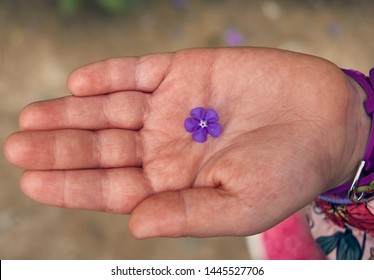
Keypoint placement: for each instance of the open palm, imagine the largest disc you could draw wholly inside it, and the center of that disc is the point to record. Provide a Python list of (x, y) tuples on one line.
[(119, 144)]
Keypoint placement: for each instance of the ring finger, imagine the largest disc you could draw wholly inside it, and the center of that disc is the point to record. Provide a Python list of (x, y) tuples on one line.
[(124, 110)]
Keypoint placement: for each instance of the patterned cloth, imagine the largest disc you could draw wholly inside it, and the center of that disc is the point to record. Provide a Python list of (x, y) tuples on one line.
[(343, 231)]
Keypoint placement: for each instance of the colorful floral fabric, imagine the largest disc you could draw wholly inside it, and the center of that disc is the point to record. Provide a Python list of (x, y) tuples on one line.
[(344, 232)]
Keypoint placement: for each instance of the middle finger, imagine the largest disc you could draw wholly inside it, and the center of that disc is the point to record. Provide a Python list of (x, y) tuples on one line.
[(75, 149)]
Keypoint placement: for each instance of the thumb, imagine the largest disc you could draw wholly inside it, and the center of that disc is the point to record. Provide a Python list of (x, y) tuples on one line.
[(199, 212)]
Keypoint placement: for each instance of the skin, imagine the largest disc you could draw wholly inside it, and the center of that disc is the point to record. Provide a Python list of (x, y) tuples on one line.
[(293, 127)]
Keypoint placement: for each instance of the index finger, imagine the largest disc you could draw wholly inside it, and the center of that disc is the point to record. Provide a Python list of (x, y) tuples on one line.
[(144, 73)]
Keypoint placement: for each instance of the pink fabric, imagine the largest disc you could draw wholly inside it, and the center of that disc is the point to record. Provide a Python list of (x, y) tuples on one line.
[(291, 240)]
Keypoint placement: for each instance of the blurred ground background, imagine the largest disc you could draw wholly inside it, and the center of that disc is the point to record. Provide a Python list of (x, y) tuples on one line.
[(41, 42)]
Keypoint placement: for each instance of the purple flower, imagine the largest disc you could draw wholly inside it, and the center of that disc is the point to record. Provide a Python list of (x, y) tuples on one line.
[(203, 121)]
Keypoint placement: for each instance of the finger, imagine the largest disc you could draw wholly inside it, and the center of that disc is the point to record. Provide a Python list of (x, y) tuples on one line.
[(111, 190), (119, 110), (74, 149), (143, 73), (199, 212)]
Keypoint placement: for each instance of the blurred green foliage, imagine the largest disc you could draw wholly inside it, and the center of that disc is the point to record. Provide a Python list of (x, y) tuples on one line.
[(71, 7)]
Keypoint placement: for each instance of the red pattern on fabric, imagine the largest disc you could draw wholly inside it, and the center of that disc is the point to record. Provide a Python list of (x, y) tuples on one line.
[(356, 215)]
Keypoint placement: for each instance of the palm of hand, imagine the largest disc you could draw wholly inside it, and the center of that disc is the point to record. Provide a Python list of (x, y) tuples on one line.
[(172, 185)]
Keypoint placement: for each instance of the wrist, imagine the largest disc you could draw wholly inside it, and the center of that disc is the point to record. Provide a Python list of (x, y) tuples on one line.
[(357, 133)]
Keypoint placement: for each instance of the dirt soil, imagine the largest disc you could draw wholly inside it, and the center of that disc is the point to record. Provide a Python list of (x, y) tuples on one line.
[(39, 47)]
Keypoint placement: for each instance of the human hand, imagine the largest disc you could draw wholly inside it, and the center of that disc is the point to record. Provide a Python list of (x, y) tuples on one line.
[(293, 127)]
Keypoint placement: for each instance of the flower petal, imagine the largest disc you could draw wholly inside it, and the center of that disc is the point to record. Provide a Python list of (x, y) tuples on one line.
[(200, 135), (211, 116), (191, 124), (214, 129), (198, 113)]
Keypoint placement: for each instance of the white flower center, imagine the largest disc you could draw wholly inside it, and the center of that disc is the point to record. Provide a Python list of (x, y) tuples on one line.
[(203, 123)]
